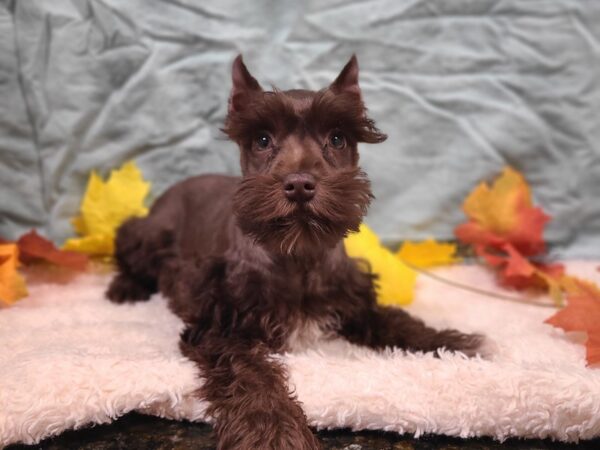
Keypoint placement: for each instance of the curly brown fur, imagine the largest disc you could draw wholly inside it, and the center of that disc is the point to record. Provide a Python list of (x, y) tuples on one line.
[(249, 263), (265, 214), (141, 249)]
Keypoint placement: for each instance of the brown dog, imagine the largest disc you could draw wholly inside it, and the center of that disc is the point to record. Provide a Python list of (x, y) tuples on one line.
[(254, 264)]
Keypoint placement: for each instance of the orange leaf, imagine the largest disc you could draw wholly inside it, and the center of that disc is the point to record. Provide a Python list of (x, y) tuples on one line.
[(578, 287), (520, 272), (593, 349), (33, 247), (582, 313), (12, 284)]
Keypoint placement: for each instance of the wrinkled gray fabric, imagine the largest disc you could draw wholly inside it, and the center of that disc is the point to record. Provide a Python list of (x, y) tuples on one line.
[(462, 88)]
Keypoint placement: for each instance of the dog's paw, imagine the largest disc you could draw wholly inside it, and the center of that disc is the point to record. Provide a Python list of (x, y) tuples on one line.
[(125, 289), (278, 437), (283, 427), (471, 345), (486, 349)]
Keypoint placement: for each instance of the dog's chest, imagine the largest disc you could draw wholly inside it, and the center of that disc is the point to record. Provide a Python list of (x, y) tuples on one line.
[(308, 333)]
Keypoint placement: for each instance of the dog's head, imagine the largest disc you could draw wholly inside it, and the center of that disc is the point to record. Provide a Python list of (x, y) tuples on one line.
[(302, 189)]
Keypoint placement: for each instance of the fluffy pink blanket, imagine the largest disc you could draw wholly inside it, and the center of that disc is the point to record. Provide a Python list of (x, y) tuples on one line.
[(69, 358)]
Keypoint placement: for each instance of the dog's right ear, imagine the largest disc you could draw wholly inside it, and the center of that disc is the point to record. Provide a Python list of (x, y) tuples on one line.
[(243, 85)]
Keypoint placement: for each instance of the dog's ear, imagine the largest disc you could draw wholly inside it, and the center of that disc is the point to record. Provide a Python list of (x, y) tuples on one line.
[(243, 84), (347, 80), (347, 83)]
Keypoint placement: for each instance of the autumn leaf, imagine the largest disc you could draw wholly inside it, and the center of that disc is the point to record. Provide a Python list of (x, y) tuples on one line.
[(396, 281), (33, 247), (505, 229), (504, 213), (105, 206), (428, 253), (516, 271), (582, 313), (12, 284)]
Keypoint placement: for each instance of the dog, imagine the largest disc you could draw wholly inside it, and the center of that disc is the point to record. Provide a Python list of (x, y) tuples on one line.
[(255, 264)]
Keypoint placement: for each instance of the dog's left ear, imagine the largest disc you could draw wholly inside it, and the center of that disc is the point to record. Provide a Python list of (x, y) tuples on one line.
[(244, 84), (347, 83), (347, 80)]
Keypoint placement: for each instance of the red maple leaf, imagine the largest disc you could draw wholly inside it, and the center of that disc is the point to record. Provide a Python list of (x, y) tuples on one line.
[(33, 247), (505, 229)]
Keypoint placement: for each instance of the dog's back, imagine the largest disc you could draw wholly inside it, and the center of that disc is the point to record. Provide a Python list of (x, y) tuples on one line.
[(199, 213), (192, 220)]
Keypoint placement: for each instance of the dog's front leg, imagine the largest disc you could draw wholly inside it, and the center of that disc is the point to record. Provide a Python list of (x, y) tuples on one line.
[(379, 327), (364, 322), (248, 394)]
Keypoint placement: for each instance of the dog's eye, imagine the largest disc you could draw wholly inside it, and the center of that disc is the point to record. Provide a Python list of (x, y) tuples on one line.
[(263, 141), (337, 140)]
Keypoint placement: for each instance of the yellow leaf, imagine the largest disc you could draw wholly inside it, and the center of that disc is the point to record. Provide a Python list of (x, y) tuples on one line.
[(79, 225), (428, 253), (105, 206), (12, 284), (96, 244), (496, 208), (396, 282)]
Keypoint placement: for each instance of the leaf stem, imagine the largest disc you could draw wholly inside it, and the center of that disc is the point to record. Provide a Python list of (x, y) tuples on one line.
[(484, 292)]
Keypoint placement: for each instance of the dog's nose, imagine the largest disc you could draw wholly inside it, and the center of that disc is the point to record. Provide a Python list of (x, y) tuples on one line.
[(299, 187)]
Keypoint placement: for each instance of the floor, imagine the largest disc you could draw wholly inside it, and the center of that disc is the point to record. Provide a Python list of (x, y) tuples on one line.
[(135, 431)]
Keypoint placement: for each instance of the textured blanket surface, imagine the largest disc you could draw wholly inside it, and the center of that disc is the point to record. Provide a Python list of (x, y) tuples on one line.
[(70, 358)]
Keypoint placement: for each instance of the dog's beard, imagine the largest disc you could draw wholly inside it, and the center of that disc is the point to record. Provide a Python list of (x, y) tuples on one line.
[(265, 214)]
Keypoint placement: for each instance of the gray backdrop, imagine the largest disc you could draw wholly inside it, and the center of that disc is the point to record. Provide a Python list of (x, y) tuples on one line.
[(461, 87)]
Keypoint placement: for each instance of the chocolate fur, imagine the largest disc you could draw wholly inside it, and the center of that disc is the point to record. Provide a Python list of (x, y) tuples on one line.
[(246, 268)]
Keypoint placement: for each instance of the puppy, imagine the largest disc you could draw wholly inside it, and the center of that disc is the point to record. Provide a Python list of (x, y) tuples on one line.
[(253, 263)]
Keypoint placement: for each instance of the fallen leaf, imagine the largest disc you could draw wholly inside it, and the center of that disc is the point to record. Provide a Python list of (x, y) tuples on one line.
[(505, 229), (428, 253), (396, 281), (12, 284), (33, 247), (503, 213), (516, 271), (580, 287), (581, 313), (105, 206)]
